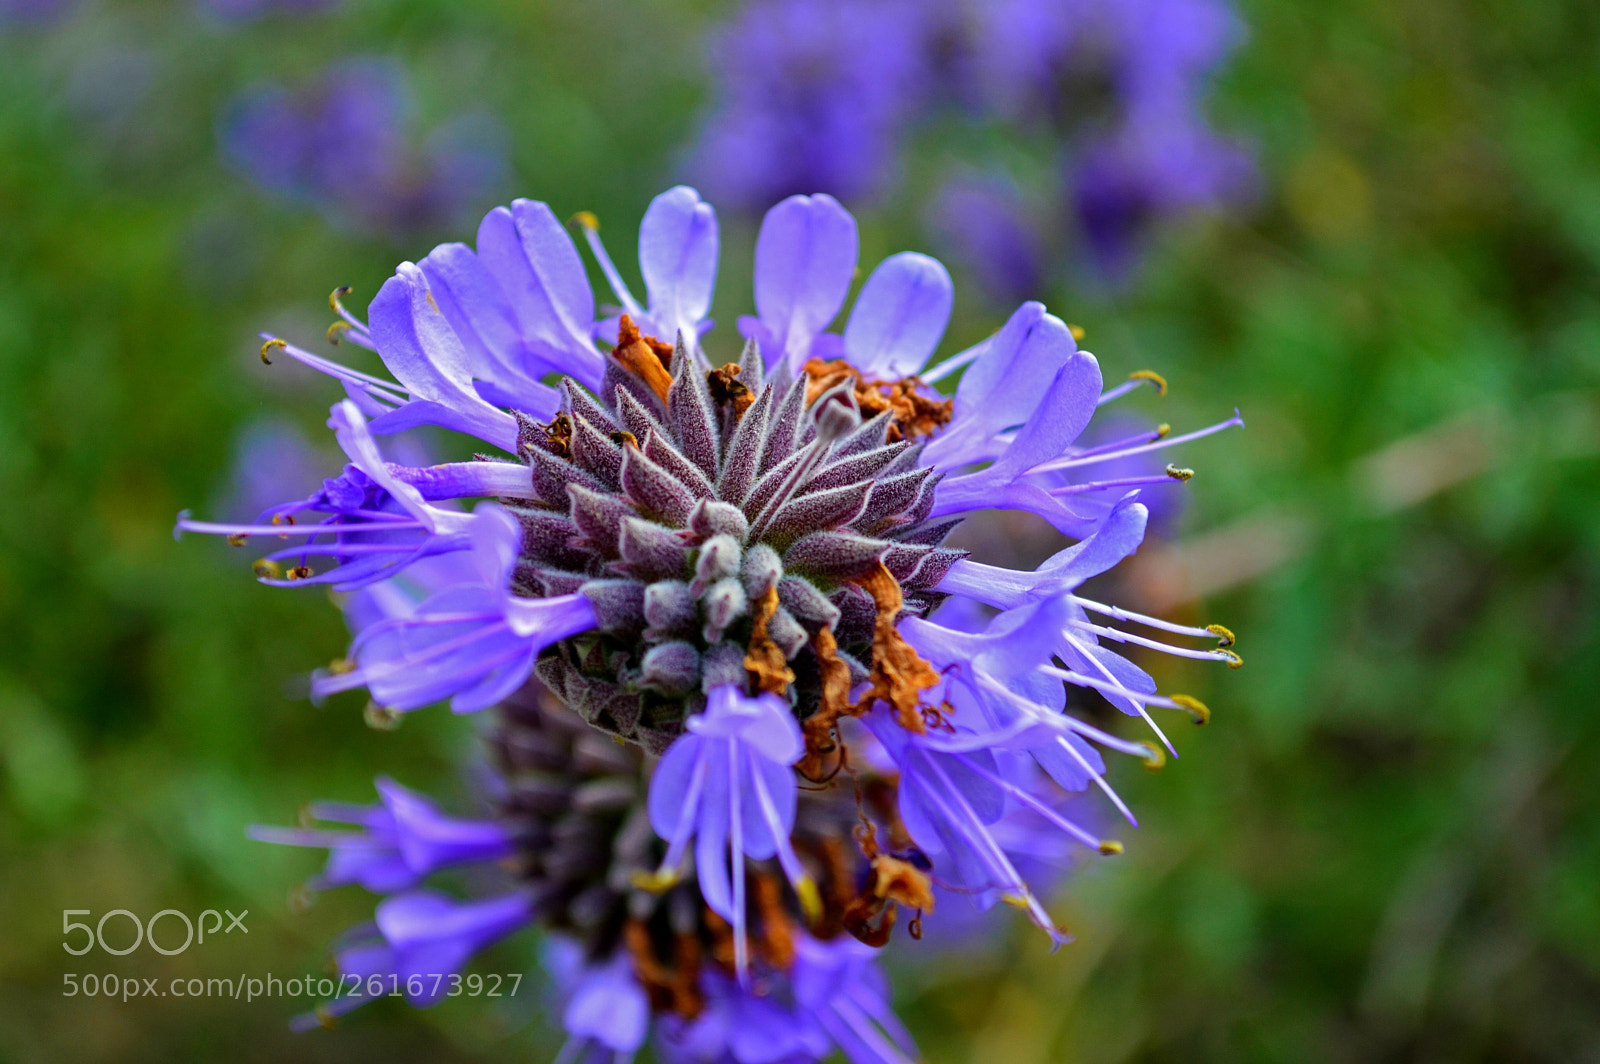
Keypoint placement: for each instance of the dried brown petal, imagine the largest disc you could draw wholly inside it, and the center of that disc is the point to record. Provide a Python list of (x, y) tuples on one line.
[(645, 356), (764, 659), (914, 413), (899, 673), (835, 703)]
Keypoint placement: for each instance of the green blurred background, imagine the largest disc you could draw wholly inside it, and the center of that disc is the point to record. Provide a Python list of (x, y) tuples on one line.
[(1386, 846)]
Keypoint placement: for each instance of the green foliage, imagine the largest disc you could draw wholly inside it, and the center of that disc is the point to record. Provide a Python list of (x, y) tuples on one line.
[(1383, 848)]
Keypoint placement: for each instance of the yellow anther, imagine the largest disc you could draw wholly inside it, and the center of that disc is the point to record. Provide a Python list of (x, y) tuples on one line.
[(1178, 474), (267, 569), (1234, 660), (381, 718), (335, 329), (1110, 847), (1017, 901), (585, 219), (657, 882), (340, 666), (325, 1018), (301, 572), (1197, 709), (1154, 756), (1153, 377), (1224, 635), (336, 295), (810, 899), (268, 346), (619, 740), (1163, 430), (1077, 333), (237, 539)]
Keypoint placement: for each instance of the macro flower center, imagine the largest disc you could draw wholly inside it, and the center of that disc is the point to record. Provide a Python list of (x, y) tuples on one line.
[(733, 530)]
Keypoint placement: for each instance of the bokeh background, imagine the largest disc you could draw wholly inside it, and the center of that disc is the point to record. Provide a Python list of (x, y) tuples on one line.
[(1372, 226)]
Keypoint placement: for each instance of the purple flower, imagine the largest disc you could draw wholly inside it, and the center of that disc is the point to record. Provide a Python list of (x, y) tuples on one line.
[(473, 643), (834, 997), (342, 145), (805, 259), (731, 568), (984, 224), (35, 13), (402, 841), (726, 784), (250, 10), (378, 517), (418, 942), (607, 1014), (820, 95), (813, 97)]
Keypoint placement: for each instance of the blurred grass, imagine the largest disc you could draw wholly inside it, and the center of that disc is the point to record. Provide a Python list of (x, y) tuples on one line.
[(1384, 848)]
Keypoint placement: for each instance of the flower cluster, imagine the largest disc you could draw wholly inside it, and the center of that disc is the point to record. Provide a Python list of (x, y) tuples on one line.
[(342, 145), (821, 94), (748, 704)]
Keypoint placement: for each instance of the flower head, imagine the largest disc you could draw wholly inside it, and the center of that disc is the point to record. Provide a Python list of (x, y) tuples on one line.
[(734, 739)]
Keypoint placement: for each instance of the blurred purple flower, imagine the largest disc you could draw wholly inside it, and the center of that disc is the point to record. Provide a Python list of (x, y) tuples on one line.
[(819, 95), (272, 461), (250, 10), (35, 13), (814, 96), (342, 145), (402, 841), (982, 221)]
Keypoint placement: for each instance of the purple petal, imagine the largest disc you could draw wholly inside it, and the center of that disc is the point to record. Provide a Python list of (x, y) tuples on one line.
[(805, 259), (678, 257), (424, 354), (538, 267), (1001, 388), (610, 1007), (899, 317), (668, 800), (1058, 419)]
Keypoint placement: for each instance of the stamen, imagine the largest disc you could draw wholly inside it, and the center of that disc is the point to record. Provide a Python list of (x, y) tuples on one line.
[(268, 346), (1157, 433), (1078, 332), (1196, 708), (1099, 780), (741, 943), (1120, 636), (1153, 377), (268, 569), (1179, 474), (951, 364), (1120, 482), (1107, 456), (1140, 701), (1078, 679), (336, 329), (1110, 847), (1121, 614), (1155, 758), (657, 882), (591, 234)]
